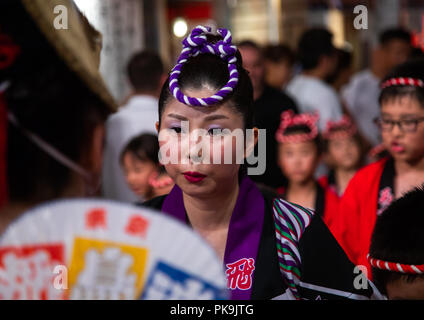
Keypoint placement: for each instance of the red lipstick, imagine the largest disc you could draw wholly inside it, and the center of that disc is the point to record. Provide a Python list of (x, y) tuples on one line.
[(193, 176)]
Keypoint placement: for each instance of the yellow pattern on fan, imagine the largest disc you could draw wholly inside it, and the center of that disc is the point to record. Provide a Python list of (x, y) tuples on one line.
[(106, 270)]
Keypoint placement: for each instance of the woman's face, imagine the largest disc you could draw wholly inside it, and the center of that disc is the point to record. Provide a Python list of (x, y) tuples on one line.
[(203, 162), (344, 153), (403, 146), (137, 174), (298, 160)]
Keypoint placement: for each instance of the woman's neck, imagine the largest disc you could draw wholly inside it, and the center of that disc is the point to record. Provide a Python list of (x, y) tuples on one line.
[(212, 212), (14, 209)]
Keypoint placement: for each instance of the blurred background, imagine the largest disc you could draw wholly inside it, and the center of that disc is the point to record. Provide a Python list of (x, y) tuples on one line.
[(160, 25)]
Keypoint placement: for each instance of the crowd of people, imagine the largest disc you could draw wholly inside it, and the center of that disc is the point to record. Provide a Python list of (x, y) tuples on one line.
[(332, 144), (344, 152)]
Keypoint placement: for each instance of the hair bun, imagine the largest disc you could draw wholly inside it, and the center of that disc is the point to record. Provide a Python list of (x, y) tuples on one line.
[(197, 43)]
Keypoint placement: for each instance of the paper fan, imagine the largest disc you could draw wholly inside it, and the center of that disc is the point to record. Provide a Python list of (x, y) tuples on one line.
[(99, 249)]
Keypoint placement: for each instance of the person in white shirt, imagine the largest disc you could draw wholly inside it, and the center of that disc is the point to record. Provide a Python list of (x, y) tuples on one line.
[(317, 56), (139, 115), (361, 94)]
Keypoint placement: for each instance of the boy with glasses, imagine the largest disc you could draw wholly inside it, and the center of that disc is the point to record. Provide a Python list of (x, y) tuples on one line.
[(374, 187)]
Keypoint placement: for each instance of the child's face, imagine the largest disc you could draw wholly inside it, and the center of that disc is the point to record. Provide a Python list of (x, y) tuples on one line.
[(298, 160), (344, 153), (400, 289), (191, 172), (402, 145), (137, 173)]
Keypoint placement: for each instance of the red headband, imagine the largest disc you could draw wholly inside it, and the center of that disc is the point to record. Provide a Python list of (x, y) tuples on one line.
[(402, 82), (289, 119), (344, 128), (396, 267)]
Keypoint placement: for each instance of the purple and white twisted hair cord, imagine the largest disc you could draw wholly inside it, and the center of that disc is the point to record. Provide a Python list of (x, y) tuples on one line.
[(196, 43)]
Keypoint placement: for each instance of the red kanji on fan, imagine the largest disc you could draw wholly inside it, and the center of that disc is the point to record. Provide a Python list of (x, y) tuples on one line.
[(239, 274), (137, 226), (95, 218)]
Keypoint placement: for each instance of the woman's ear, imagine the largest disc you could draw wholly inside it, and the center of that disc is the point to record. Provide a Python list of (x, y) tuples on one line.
[(157, 126), (94, 154)]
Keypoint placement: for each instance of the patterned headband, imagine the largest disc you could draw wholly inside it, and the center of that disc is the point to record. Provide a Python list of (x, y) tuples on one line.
[(396, 267), (344, 128), (289, 119), (196, 43), (402, 82)]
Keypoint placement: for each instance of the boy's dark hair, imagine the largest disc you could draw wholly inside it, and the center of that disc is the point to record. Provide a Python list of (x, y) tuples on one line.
[(299, 129), (211, 70), (279, 53), (344, 61), (145, 70), (391, 34), (314, 43), (398, 237), (47, 98), (144, 147), (250, 44), (410, 69)]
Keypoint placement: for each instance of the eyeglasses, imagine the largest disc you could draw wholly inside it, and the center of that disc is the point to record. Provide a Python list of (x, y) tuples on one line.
[(406, 125)]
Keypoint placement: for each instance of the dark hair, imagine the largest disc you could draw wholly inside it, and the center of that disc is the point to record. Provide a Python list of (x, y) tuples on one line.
[(394, 34), (279, 53), (314, 43), (299, 129), (250, 44), (344, 61), (144, 147), (52, 102), (145, 70), (398, 237), (410, 69), (211, 70)]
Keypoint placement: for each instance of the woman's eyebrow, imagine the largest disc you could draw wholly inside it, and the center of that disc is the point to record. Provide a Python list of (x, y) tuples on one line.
[(177, 116), (215, 117)]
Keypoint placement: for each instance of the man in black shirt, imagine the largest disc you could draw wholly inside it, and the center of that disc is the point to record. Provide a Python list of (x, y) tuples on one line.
[(269, 104)]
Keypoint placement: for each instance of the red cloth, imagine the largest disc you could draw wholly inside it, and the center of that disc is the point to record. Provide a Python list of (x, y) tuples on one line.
[(354, 224), (332, 201), (323, 181)]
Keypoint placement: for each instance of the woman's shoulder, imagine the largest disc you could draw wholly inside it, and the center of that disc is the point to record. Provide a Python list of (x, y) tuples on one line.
[(321, 265)]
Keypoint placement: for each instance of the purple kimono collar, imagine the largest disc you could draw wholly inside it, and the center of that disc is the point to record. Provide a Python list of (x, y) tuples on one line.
[(244, 234)]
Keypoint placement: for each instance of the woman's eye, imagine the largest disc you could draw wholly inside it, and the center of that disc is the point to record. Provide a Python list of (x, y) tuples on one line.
[(217, 131), (176, 129), (214, 131)]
